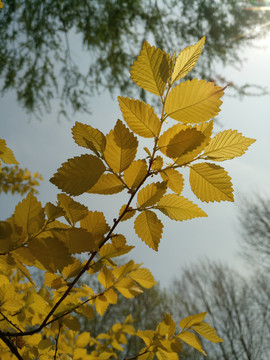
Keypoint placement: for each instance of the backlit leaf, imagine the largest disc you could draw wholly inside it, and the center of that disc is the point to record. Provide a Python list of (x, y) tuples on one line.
[(76, 240), (149, 228), (157, 163), (191, 320), (191, 339), (72, 269), (29, 214), (194, 101), (73, 209), (227, 145), (143, 277), (210, 182), (179, 208), (109, 251), (128, 288), (184, 142), (8, 299), (152, 69), (101, 304), (107, 184), (207, 332), (95, 223), (186, 60), (53, 212), (6, 155), (83, 340), (140, 117), (111, 296), (79, 174), (121, 148), (175, 180), (88, 137), (129, 213), (151, 194), (106, 277), (136, 172), (162, 354), (206, 129), (51, 253)]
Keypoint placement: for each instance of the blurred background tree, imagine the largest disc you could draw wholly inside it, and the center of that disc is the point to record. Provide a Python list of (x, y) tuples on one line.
[(40, 61)]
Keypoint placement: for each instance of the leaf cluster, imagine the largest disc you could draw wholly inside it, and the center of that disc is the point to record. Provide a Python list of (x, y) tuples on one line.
[(51, 238)]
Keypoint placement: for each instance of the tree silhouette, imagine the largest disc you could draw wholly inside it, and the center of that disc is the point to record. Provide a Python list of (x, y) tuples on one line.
[(39, 59)]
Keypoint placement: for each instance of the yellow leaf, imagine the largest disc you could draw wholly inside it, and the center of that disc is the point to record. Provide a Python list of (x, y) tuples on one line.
[(206, 128), (149, 228), (82, 340), (53, 281), (106, 277), (53, 212), (109, 251), (143, 277), (8, 300), (88, 137), (129, 213), (184, 142), (192, 340), (86, 311), (227, 145), (165, 355), (79, 174), (207, 332), (125, 269), (73, 209), (147, 336), (167, 327), (51, 253), (101, 304), (6, 155), (29, 215), (194, 101), (175, 180), (107, 184), (121, 148), (140, 117), (179, 208), (95, 223), (72, 269), (157, 163), (151, 194), (3, 279), (111, 296), (76, 240), (118, 241), (79, 354), (191, 320), (135, 173), (128, 288), (210, 182), (186, 60), (151, 70)]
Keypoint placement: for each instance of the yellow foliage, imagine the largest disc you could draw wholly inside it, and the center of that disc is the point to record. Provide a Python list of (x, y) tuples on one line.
[(40, 321)]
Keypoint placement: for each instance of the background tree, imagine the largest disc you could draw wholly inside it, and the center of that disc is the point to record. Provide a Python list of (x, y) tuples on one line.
[(39, 61), (238, 308), (254, 220)]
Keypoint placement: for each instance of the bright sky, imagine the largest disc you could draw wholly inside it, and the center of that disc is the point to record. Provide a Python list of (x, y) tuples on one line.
[(43, 146)]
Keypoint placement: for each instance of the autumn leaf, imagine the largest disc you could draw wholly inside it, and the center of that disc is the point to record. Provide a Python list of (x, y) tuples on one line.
[(179, 208), (151, 69), (186, 60), (121, 148), (79, 174), (149, 228), (227, 145), (194, 101), (140, 117), (210, 182)]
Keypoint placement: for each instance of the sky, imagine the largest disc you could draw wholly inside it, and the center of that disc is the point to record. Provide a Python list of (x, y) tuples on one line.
[(43, 146)]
